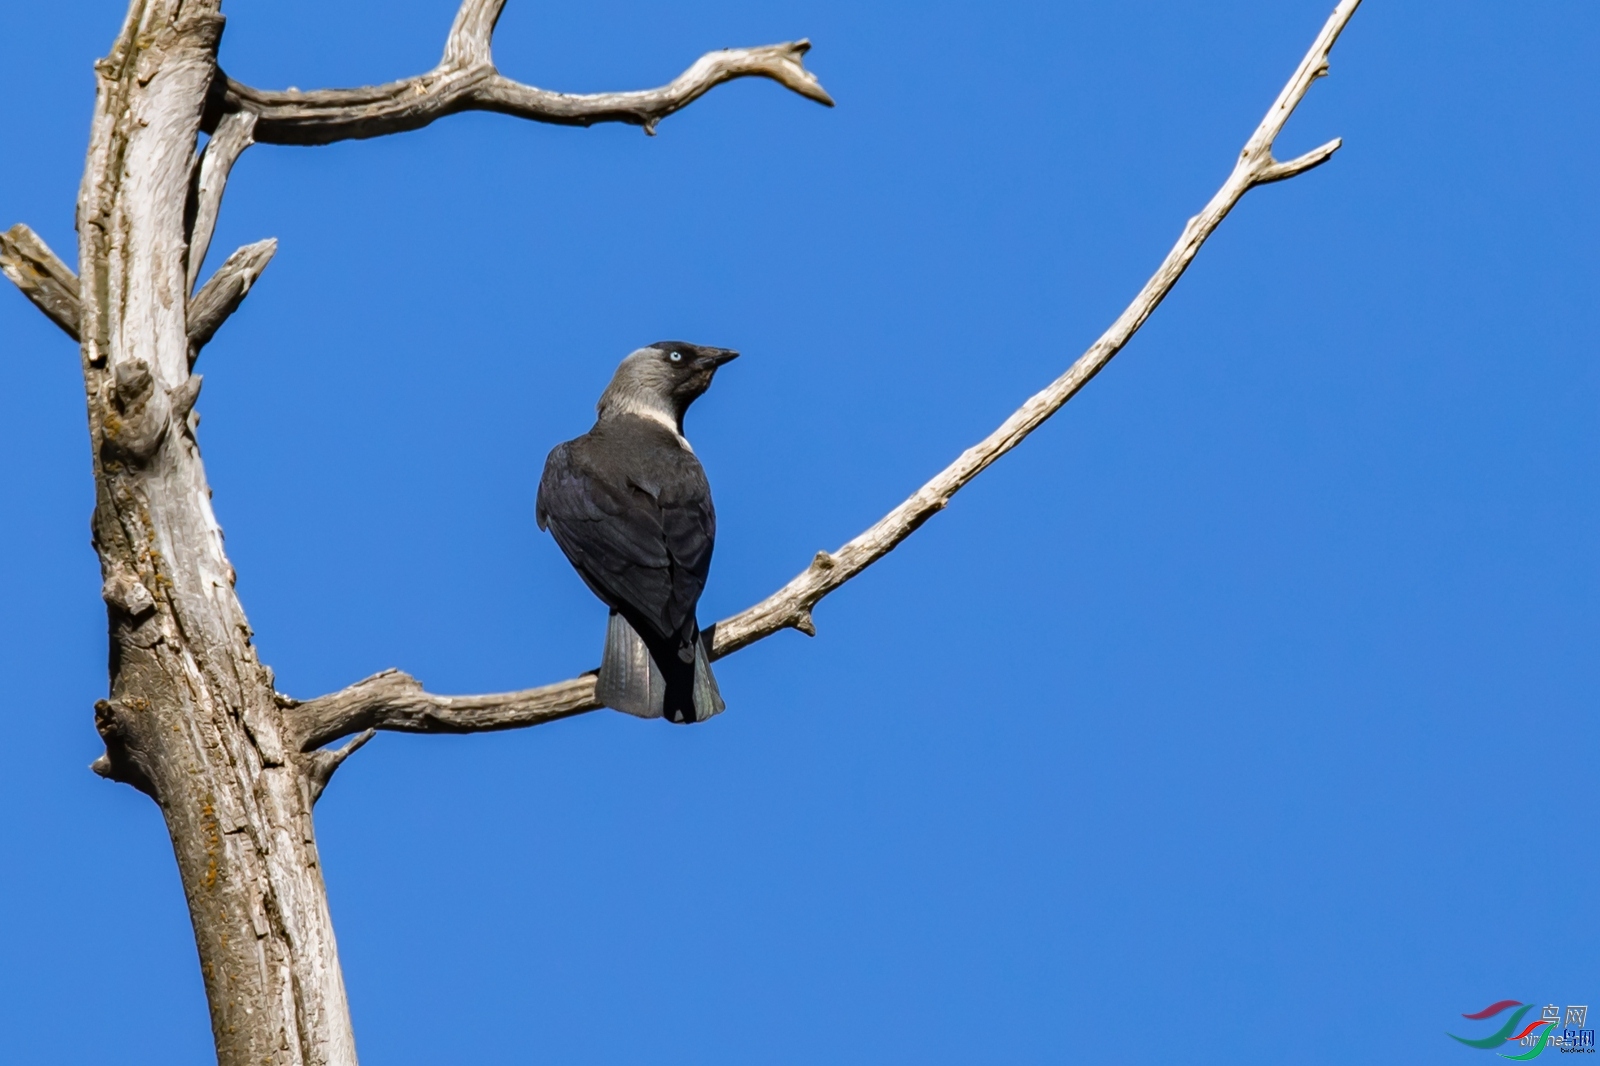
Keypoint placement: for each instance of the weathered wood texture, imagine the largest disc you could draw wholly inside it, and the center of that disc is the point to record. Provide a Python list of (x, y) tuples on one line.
[(192, 717), (393, 700), (466, 80), (232, 135), (41, 275), (226, 290)]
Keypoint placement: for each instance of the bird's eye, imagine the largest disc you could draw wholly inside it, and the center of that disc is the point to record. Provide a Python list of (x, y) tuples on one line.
[(676, 357)]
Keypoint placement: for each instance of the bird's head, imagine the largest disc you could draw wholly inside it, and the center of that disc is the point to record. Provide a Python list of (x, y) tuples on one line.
[(662, 380)]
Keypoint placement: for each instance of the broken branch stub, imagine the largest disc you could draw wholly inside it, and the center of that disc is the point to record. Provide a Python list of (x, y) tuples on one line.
[(42, 276), (226, 290)]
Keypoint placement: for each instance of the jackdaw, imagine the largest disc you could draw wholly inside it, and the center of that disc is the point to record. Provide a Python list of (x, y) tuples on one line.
[(629, 505)]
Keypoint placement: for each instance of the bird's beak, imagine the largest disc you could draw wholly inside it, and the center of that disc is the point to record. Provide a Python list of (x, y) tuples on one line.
[(718, 356)]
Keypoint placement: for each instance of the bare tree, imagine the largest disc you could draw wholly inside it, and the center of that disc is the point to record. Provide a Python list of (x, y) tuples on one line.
[(193, 718)]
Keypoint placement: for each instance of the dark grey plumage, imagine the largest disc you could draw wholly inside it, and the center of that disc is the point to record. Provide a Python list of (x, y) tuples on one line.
[(629, 505)]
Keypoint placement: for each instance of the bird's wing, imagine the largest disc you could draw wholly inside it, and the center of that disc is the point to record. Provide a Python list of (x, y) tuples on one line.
[(689, 528), (641, 542)]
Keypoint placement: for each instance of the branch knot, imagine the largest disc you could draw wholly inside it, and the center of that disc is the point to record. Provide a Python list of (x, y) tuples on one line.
[(137, 412), (123, 760)]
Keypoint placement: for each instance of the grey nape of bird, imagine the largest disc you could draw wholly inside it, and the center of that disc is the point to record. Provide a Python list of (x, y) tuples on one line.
[(629, 505)]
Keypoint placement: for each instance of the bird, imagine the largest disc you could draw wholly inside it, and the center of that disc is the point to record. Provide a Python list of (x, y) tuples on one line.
[(629, 505)]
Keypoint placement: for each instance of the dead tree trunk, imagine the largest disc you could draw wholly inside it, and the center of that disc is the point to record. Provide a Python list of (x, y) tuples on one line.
[(193, 718)]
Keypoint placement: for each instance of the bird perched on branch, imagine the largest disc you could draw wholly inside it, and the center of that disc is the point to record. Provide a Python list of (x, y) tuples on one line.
[(629, 505)]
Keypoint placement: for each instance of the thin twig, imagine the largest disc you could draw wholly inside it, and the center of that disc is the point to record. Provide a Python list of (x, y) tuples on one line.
[(321, 765), (394, 700), (466, 80)]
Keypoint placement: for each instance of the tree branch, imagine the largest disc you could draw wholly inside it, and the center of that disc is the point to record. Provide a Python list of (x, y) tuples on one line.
[(225, 291), (41, 275), (228, 142), (466, 80), (393, 700)]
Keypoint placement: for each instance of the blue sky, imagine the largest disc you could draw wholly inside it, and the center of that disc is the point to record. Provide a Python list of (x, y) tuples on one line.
[(1245, 713)]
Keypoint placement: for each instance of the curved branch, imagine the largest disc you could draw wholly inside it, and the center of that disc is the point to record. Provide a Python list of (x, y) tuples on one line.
[(472, 32), (228, 142), (393, 700), (466, 80)]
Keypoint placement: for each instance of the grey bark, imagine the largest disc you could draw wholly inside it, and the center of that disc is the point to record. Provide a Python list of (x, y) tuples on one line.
[(41, 275), (226, 290), (193, 718), (234, 133)]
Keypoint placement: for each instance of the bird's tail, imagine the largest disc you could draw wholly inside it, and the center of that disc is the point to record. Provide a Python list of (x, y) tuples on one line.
[(655, 682)]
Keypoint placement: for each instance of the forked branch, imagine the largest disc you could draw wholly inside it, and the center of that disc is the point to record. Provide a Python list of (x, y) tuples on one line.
[(321, 765), (393, 700), (466, 80)]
